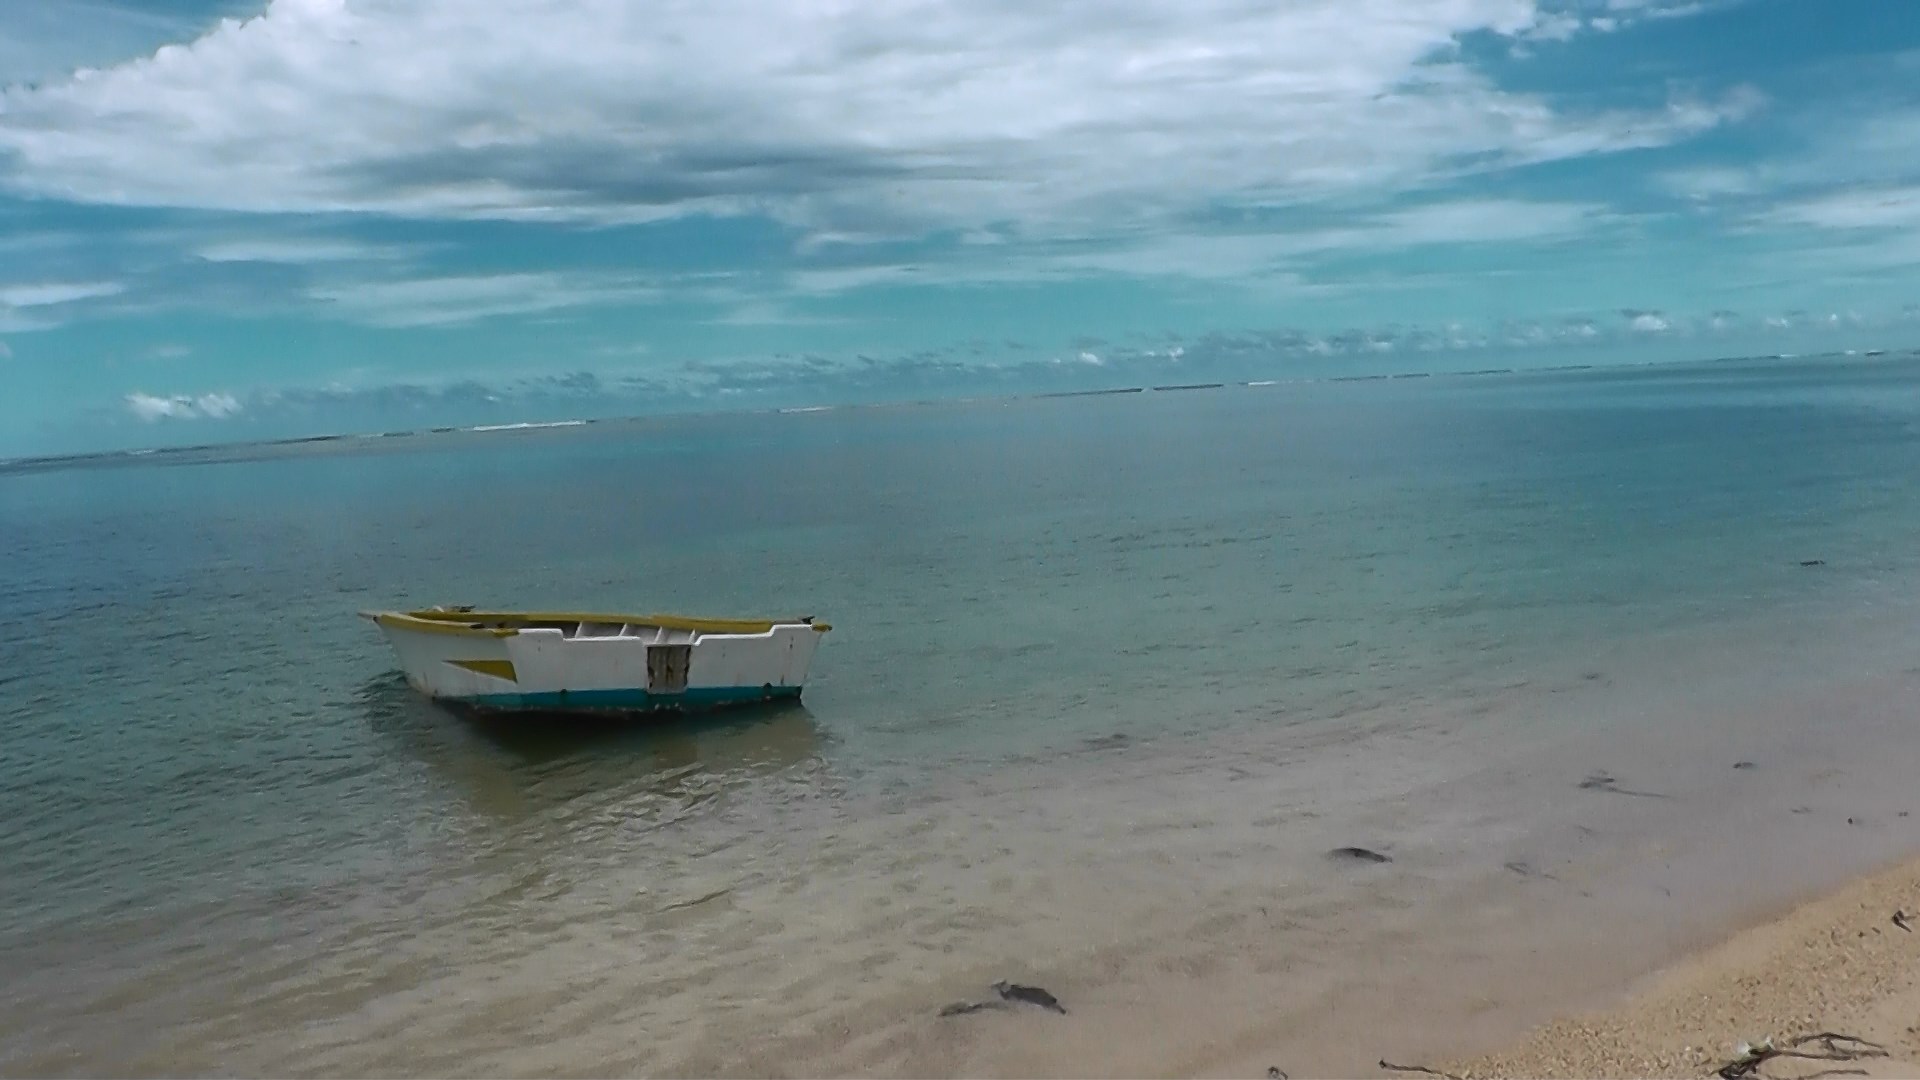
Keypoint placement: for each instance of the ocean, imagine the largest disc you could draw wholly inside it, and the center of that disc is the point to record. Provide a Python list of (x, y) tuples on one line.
[(1109, 676)]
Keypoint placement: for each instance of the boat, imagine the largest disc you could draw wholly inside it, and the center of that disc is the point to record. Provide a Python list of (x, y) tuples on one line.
[(505, 661)]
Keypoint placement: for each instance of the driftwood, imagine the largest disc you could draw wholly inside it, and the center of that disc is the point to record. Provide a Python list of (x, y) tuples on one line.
[(1825, 1046), (685, 904), (1421, 1069), (962, 1008), (1819, 1046)]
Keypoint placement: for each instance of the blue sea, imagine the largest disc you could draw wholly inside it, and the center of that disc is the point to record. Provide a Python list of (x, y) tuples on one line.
[(1108, 677)]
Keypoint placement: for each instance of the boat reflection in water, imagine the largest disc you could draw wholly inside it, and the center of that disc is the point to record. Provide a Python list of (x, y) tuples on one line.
[(520, 764)]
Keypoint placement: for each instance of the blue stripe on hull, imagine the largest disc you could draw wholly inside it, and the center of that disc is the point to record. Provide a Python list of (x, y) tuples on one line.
[(696, 699)]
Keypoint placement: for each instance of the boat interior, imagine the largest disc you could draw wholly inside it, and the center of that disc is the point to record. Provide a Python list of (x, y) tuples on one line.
[(577, 625)]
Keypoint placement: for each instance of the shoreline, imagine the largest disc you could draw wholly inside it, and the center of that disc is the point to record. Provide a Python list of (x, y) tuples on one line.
[(1838, 963)]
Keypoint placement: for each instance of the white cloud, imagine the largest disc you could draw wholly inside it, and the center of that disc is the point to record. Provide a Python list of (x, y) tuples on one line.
[(770, 313), (1271, 258), (1563, 26), (860, 119), (1872, 208), (48, 294), (625, 348), (1647, 322), (1844, 164), (32, 306), (1486, 221), (182, 406), (1710, 182), (296, 250), (1464, 221), (442, 301), (1664, 9)]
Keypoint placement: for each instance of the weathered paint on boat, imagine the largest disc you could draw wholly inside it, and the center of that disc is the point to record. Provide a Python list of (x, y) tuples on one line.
[(590, 662)]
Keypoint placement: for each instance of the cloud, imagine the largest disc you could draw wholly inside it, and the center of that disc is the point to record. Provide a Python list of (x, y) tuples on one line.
[(1271, 255), (441, 301), (769, 313), (33, 306), (182, 406), (974, 368), (1562, 26), (1871, 208), (575, 390), (296, 251), (1709, 182), (48, 294), (1464, 221), (1843, 160), (1663, 9), (851, 120)]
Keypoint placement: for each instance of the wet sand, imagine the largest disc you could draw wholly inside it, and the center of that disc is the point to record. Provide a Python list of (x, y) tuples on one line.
[(1838, 964)]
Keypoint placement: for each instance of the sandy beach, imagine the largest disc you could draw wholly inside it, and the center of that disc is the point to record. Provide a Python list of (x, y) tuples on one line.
[(1840, 964)]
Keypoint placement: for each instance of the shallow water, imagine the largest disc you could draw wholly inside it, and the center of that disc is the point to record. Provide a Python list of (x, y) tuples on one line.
[(1107, 678)]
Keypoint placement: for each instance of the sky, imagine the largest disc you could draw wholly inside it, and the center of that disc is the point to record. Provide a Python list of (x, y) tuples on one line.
[(226, 220)]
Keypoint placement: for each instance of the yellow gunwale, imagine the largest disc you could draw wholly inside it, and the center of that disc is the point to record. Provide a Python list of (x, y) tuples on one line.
[(470, 623)]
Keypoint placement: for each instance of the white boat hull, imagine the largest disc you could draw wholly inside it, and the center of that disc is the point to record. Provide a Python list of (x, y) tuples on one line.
[(599, 663)]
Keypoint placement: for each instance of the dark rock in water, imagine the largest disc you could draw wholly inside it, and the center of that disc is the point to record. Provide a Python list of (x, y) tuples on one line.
[(1743, 764), (1358, 854), (1031, 995), (1528, 870), (1813, 562), (1604, 781)]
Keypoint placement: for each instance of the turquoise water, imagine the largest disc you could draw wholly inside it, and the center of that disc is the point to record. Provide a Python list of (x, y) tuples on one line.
[(233, 839)]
